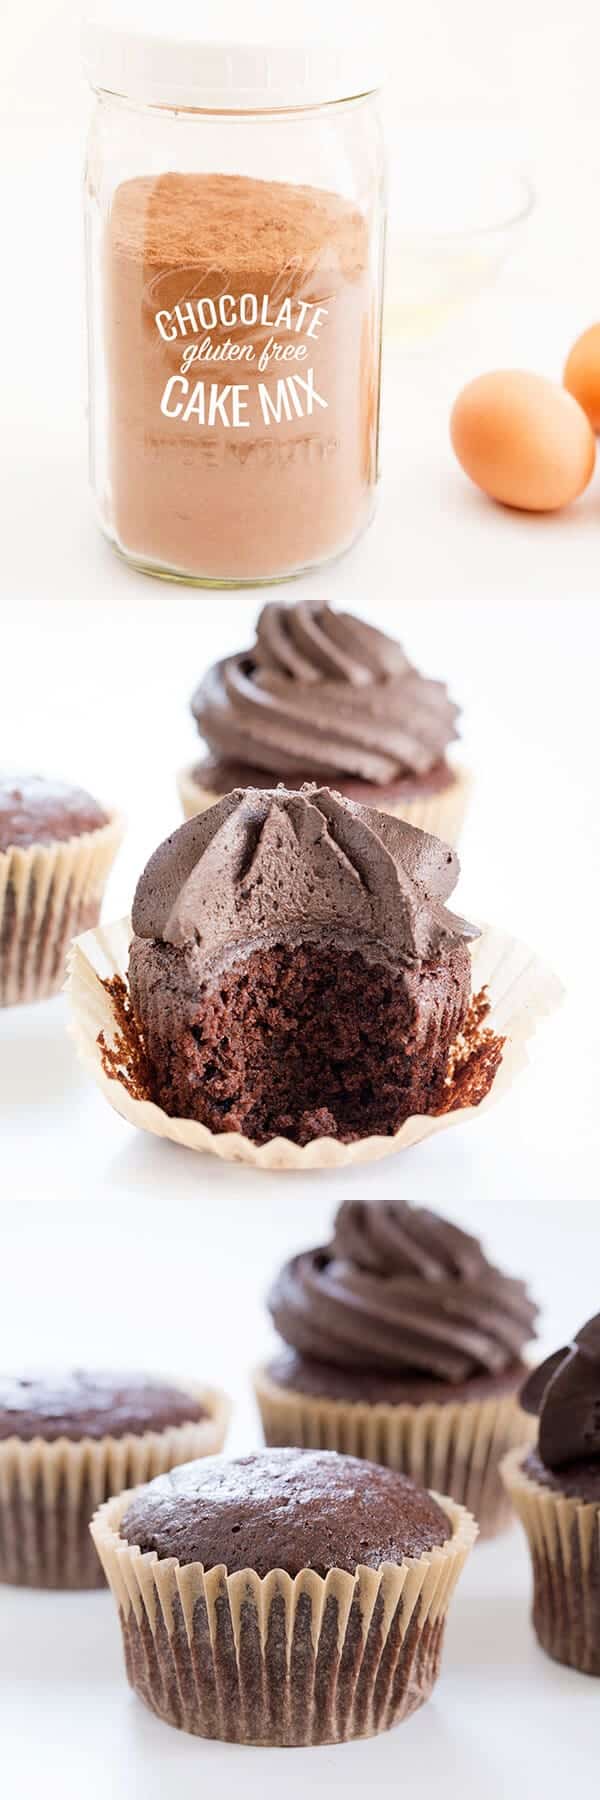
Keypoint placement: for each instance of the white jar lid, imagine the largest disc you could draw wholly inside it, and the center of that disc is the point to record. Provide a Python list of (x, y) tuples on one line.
[(184, 72)]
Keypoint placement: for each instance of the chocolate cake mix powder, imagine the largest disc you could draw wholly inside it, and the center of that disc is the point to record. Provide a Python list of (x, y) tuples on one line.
[(242, 347)]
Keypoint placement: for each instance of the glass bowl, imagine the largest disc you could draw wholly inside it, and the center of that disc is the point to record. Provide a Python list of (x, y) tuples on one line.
[(454, 220)]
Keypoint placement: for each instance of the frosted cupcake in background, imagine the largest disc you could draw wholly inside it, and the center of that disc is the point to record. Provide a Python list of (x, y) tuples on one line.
[(322, 696), (403, 1345), (555, 1489)]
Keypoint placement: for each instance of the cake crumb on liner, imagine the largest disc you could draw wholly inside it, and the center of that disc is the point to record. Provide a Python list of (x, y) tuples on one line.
[(522, 991)]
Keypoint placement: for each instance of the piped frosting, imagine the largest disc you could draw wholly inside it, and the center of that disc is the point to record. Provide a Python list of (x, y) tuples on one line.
[(324, 693), (403, 1291), (264, 864)]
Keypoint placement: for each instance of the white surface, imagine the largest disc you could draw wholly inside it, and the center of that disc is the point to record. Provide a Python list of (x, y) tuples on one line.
[(116, 1248), (523, 59)]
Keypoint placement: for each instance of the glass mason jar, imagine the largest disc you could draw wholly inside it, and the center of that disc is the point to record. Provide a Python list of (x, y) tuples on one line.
[(235, 206)]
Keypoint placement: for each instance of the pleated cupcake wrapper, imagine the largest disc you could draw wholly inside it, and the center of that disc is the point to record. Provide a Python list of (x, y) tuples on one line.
[(276, 1660), (455, 1448), (48, 1491), (48, 894), (522, 991), (441, 814), (564, 1540)]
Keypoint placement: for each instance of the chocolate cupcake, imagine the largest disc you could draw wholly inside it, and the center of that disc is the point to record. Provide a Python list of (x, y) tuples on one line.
[(555, 1490), (288, 1597), (69, 1441), (323, 697), (405, 1346), (294, 971), (57, 847)]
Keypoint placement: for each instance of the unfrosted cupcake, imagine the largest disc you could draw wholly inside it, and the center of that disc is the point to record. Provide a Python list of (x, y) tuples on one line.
[(57, 847), (68, 1441), (284, 1598), (404, 1345), (555, 1489), (294, 971), (323, 697)]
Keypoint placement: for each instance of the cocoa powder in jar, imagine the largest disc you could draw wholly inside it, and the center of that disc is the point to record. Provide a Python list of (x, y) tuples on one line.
[(242, 347)]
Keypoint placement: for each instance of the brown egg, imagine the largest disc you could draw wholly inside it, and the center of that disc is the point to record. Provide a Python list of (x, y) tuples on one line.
[(582, 374), (523, 439)]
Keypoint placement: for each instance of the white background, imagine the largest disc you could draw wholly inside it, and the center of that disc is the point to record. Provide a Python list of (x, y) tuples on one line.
[(117, 1249)]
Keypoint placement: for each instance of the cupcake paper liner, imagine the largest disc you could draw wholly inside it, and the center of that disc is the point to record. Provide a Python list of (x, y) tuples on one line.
[(564, 1541), (454, 1447), (522, 992), (48, 894), (276, 1660), (441, 814), (48, 1492)]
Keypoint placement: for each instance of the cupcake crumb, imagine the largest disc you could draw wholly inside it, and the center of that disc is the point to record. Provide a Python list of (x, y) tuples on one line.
[(475, 1057), (125, 1058), (473, 1061)]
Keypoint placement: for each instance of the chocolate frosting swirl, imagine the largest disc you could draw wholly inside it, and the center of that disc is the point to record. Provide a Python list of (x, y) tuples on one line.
[(323, 693), (401, 1290), (565, 1392), (263, 865)]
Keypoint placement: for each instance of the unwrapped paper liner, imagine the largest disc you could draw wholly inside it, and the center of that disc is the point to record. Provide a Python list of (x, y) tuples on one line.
[(48, 1491), (49, 893), (455, 1447), (522, 992), (441, 814), (564, 1540), (276, 1660)]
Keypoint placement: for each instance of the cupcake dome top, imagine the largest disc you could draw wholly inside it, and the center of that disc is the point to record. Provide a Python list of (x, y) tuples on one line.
[(322, 692), (285, 1509), (402, 1291), (262, 863), (80, 1404), (35, 809)]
